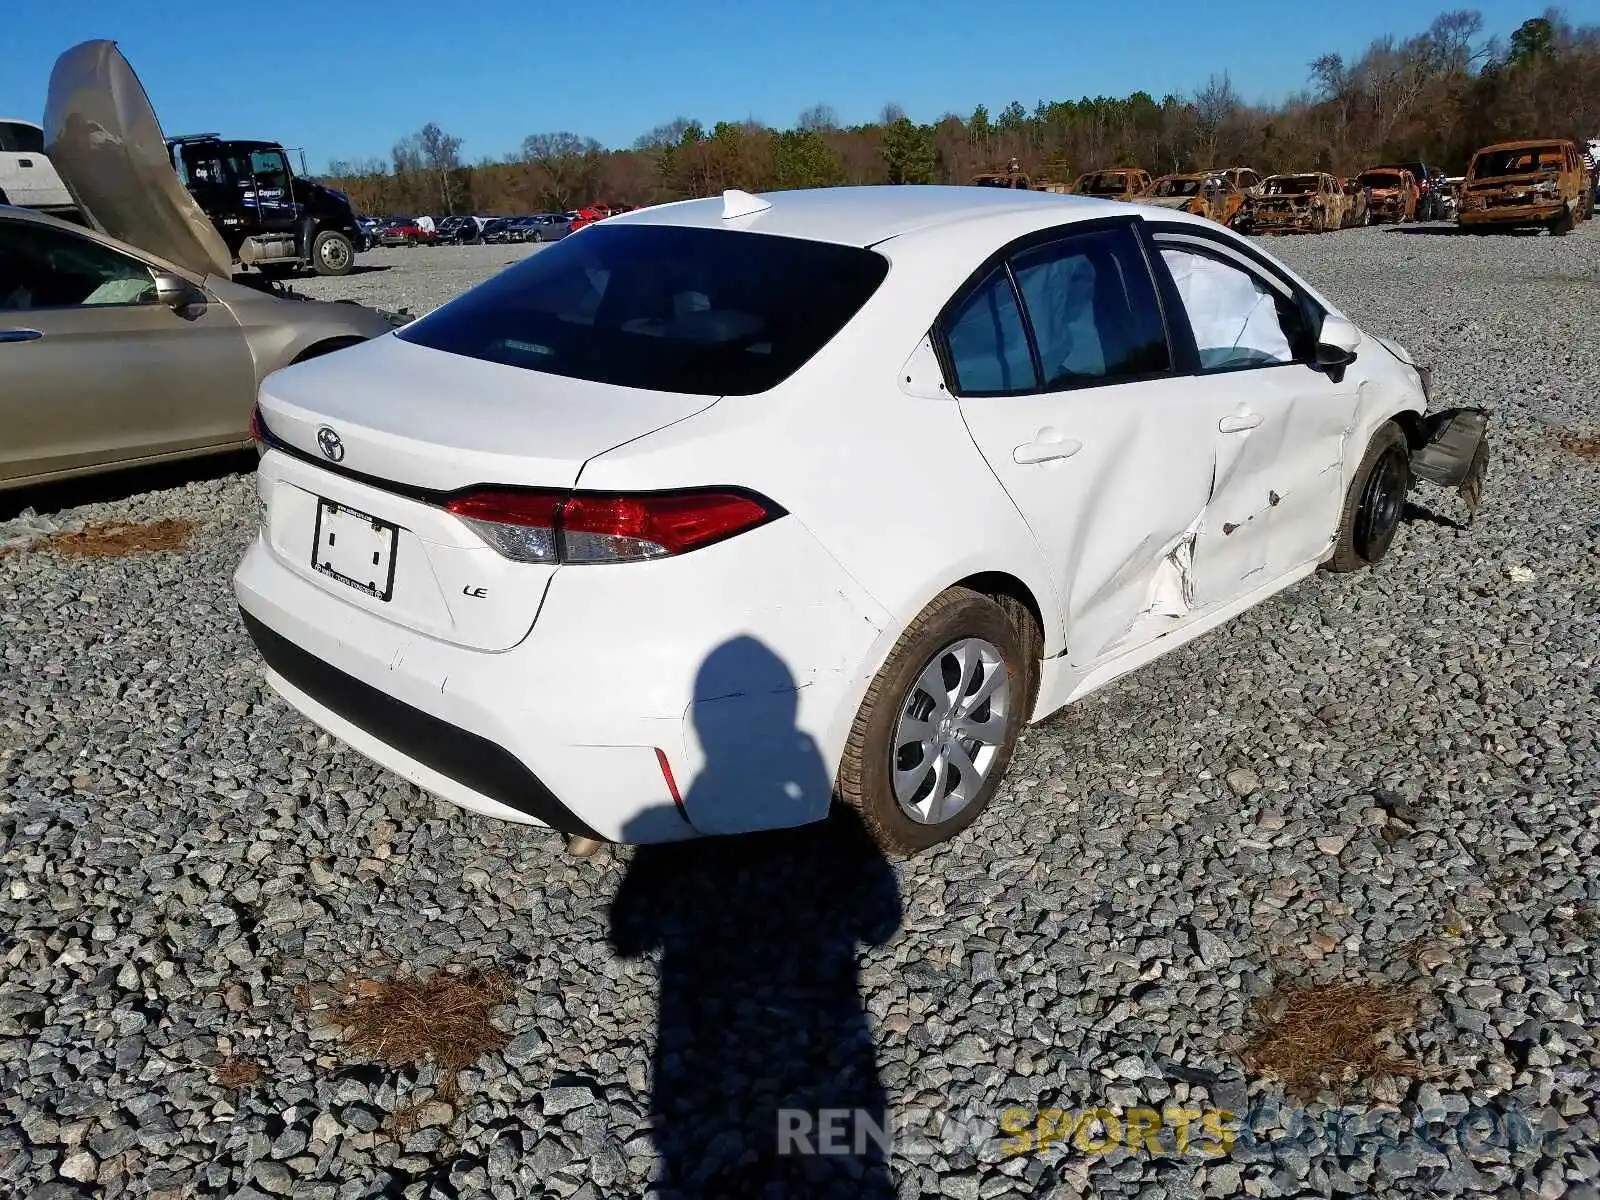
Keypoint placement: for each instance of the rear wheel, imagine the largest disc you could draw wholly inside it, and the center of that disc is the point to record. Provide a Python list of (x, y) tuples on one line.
[(332, 253), (935, 732), (1375, 502)]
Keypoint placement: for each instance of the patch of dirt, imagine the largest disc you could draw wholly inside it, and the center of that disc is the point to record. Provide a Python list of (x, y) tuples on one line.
[(237, 1073), (1330, 1036), (1579, 446), (117, 540), (441, 1018)]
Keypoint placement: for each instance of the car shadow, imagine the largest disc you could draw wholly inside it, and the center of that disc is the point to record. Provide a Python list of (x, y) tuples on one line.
[(124, 483), (765, 1078)]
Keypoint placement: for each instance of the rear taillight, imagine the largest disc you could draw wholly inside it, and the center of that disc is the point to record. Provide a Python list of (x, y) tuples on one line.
[(258, 430), (554, 527)]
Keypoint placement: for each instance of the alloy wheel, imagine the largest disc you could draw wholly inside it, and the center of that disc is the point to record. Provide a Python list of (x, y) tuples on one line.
[(950, 730)]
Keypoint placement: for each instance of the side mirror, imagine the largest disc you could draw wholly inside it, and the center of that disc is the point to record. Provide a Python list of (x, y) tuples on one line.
[(1337, 343), (181, 296)]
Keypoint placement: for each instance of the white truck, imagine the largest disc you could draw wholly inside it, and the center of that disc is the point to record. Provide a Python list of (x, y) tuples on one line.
[(27, 177)]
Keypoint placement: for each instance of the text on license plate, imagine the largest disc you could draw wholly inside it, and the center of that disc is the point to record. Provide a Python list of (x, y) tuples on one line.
[(354, 548)]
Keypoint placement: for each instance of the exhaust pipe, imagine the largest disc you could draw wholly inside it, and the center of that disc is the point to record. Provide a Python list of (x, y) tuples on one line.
[(582, 847)]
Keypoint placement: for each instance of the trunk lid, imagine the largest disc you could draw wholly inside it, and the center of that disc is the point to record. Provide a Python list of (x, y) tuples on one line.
[(105, 141), (414, 423), (430, 419)]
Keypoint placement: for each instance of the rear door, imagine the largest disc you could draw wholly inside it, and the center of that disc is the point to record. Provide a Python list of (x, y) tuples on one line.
[(1280, 436), (27, 177), (1066, 380), (93, 370)]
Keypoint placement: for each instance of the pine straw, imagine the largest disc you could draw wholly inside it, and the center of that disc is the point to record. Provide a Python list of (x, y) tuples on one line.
[(236, 1073), (1330, 1036), (117, 539), (441, 1018)]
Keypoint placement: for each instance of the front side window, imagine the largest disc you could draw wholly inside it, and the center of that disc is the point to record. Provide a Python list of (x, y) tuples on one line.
[(668, 308), (1239, 320), (41, 267), (1093, 309)]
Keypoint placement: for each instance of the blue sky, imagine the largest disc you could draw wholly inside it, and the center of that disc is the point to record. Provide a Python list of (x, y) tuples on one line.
[(347, 80)]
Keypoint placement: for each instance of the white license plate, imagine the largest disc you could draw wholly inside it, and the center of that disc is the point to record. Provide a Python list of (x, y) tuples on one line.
[(354, 548)]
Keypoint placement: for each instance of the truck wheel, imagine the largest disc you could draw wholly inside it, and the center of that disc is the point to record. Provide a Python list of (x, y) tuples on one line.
[(1375, 502), (332, 253), (1561, 223)]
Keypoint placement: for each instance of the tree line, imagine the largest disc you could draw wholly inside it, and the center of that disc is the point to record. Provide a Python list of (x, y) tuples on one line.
[(1435, 96)]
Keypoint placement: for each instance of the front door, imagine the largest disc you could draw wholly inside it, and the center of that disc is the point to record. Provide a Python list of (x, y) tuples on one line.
[(1282, 424), (95, 370), (1066, 383)]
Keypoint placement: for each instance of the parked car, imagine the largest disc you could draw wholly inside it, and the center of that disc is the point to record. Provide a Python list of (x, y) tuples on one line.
[(581, 217), (1431, 189), (1311, 202), (1526, 183), (28, 179), (1246, 179), (1391, 195), (655, 576), (453, 230), (1355, 203), (497, 231), (404, 231), (1123, 183), (1204, 193), (547, 227), (111, 356)]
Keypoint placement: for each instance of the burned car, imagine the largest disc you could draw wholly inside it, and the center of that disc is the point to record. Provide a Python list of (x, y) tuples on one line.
[(1203, 193), (1526, 183), (1389, 195), (1309, 203), (1120, 183)]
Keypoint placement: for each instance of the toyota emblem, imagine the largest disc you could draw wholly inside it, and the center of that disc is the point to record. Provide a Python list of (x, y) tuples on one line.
[(331, 445)]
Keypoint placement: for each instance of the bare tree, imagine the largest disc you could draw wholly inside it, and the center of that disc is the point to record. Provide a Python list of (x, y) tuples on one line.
[(819, 118), (563, 163), (664, 135), (891, 113), (442, 153)]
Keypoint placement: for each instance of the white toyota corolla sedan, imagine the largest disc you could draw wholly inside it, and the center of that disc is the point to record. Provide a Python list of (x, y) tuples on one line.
[(724, 511)]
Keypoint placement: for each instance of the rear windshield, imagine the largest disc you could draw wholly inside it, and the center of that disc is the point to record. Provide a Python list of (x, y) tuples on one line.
[(709, 312), (1517, 162)]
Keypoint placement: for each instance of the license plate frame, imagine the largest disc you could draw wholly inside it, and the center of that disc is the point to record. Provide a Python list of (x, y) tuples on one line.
[(372, 536)]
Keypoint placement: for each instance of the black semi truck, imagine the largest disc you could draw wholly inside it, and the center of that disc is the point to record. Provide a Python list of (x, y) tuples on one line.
[(271, 218)]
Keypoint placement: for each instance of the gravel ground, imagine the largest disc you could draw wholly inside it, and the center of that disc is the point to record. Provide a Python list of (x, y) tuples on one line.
[(1389, 776)]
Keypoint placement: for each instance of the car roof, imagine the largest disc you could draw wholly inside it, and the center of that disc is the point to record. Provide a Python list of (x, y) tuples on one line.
[(864, 216), (31, 216), (1525, 144)]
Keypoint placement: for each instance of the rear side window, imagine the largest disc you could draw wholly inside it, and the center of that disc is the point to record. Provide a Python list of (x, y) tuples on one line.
[(703, 311), (988, 344)]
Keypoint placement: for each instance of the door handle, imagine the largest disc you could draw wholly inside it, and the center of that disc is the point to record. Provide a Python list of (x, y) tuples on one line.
[(20, 335), (1239, 423), (1045, 450)]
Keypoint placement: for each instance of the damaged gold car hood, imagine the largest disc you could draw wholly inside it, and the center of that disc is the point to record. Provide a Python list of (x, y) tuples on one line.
[(104, 139)]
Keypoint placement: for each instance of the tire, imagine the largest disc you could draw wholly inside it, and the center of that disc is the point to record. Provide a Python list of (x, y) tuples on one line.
[(1561, 223), (332, 253), (959, 625), (1375, 502), (538, 236)]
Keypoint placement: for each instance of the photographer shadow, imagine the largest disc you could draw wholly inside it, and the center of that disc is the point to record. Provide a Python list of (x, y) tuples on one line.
[(765, 1080)]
